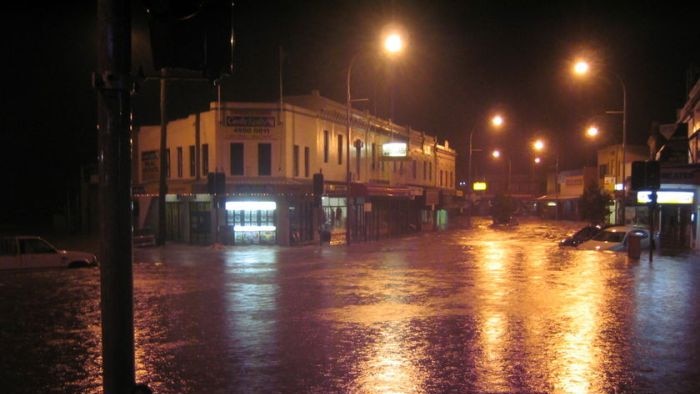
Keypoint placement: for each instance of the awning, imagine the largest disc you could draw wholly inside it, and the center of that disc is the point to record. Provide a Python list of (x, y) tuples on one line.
[(375, 190)]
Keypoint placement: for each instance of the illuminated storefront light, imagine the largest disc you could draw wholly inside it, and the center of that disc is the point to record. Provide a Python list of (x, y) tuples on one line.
[(479, 186), (666, 197), (253, 228), (395, 149), (251, 205)]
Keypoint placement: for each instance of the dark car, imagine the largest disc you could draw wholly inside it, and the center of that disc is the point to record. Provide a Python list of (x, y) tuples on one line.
[(581, 235)]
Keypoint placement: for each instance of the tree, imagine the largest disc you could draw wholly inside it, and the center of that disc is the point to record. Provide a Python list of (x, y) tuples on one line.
[(595, 204)]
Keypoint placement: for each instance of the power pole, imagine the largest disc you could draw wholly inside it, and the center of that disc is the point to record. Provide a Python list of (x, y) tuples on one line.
[(113, 85)]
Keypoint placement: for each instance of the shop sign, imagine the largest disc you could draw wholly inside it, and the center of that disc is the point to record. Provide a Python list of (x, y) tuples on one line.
[(666, 197), (393, 150), (250, 126)]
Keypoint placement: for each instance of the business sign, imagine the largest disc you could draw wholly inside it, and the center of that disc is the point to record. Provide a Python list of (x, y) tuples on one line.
[(666, 197), (479, 186), (394, 150), (250, 126)]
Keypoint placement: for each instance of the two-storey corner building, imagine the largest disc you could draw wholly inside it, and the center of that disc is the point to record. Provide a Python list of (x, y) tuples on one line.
[(379, 179)]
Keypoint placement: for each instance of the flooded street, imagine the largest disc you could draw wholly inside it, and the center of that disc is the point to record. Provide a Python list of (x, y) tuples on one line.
[(467, 310)]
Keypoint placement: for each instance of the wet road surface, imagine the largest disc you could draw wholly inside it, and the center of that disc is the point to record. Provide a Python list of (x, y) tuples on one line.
[(467, 310)]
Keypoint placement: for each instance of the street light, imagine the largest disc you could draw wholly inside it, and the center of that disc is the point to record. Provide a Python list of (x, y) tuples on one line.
[(497, 155), (393, 44), (497, 122), (592, 131), (581, 68), (539, 146)]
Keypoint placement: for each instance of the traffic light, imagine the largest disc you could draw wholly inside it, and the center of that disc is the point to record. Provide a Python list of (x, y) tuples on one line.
[(191, 34), (653, 175), (216, 183), (638, 175), (646, 175)]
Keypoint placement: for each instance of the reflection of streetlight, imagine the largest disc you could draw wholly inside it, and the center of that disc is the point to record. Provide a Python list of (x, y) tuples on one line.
[(581, 68), (497, 122), (392, 44)]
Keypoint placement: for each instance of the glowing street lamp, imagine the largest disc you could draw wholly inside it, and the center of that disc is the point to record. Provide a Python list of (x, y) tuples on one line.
[(496, 154), (539, 146), (592, 132), (497, 121), (393, 44), (581, 68)]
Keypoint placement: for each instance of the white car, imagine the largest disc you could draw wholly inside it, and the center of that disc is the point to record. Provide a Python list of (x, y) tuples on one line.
[(616, 238), (18, 252)]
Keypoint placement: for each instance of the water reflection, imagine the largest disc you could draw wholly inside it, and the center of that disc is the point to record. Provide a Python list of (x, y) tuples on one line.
[(391, 365), (474, 310), (575, 367)]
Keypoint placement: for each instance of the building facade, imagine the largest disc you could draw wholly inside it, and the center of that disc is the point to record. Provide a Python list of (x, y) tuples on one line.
[(243, 173)]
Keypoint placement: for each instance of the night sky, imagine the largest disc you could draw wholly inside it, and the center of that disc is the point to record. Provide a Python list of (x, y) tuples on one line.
[(463, 61)]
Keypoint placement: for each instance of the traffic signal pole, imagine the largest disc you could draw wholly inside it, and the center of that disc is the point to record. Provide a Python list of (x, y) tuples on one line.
[(113, 86)]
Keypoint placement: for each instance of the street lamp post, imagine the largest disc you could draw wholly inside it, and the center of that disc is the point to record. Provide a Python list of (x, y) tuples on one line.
[(496, 121), (392, 44), (581, 67), (497, 154), (539, 146)]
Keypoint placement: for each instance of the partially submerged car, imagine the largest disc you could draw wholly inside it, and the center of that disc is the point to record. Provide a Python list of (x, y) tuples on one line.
[(17, 252), (581, 235), (616, 238)]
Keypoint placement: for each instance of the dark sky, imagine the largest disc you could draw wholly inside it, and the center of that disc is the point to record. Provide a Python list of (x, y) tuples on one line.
[(464, 60)]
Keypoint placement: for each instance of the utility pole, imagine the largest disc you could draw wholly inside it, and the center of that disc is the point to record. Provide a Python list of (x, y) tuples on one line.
[(113, 86), (163, 180)]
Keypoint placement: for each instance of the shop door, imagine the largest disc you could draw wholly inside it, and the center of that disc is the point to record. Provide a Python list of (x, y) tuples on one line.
[(172, 222), (200, 223)]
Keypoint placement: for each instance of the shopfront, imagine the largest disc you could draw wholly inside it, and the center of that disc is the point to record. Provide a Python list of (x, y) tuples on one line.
[(250, 222), (676, 217)]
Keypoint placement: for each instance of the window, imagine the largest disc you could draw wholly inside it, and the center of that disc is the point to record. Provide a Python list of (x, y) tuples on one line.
[(326, 145), (179, 162), (603, 170), (265, 159), (193, 159), (295, 160), (237, 158), (167, 163), (340, 149), (307, 155), (415, 169), (425, 170), (374, 155), (205, 159), (430, 171)]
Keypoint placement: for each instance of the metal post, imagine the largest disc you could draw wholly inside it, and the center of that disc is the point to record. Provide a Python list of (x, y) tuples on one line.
[(469, 166), (163, 185), (348, 110), (116, 278), (624, 148), (510, 170)]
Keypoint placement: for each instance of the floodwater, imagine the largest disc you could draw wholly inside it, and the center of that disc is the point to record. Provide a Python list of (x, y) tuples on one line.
[(467, 310)]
